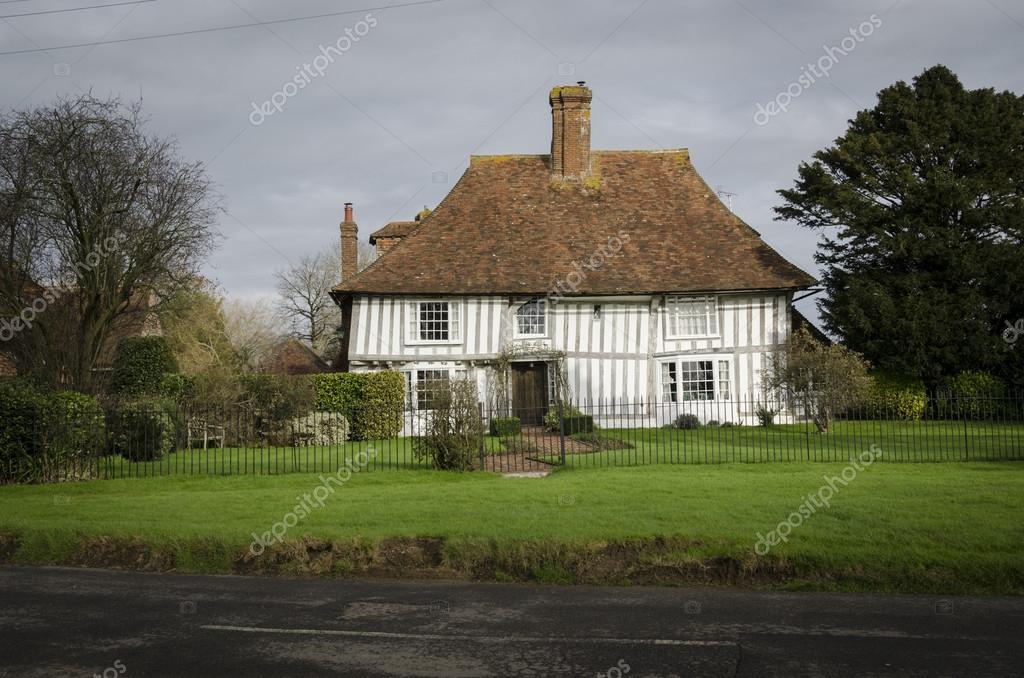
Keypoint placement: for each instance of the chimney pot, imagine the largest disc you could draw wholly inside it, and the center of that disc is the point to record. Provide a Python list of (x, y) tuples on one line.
[(348, 211)]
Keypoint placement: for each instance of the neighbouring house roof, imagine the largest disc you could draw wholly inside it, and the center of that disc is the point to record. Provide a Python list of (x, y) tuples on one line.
[(509, 227), (291, 356), (395, 229), (800, 321)]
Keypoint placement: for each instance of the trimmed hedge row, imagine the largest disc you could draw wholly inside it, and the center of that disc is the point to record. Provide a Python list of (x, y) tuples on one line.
[(506, 427), (373, 402), (47, 436), (575, 421)]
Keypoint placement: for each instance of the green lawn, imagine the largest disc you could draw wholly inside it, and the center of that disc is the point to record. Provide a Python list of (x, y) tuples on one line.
[(953, 527), (899, 441)]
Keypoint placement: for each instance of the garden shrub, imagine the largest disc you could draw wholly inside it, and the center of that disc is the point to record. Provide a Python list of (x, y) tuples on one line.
[(380, 412), (338, 391), (765, 414), (373, 401), (453, 431), (178, 388), (320, 428), (895, 396), (974, 395), (506, 427), (141, 430), (79, 432), (25, 414), (274, 401), (575, 421), (686, 421), (140, 365), (578, 423)]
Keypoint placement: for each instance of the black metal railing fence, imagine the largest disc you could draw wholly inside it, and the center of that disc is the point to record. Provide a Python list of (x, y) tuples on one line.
[(134, 442)]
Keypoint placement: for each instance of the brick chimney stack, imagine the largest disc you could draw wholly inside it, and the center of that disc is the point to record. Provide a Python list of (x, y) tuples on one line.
[(570, 131), (349, 245)]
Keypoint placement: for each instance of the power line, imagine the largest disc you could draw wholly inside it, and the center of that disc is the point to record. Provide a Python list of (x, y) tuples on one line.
[(215, 29), (75, 9)]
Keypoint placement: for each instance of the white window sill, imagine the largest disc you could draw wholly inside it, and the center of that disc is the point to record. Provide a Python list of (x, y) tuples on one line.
[(688, 337), (431, 342)]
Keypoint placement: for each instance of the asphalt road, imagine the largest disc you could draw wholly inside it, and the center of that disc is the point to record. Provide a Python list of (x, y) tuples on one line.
[(74, 622)]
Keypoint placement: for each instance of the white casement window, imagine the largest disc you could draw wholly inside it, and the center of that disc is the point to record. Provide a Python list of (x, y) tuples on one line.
[(692, 317), (531, 319), (687, 380), (669, 383), (434, 322), (429, 385), (723, 380), (697, 380)]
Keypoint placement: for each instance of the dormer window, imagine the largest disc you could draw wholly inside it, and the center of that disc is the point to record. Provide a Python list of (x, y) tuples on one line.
[(531, 319)]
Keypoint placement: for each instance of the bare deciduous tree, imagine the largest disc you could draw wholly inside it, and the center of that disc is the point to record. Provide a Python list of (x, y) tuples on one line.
[(253, 329), (95, 215), (305, 299)]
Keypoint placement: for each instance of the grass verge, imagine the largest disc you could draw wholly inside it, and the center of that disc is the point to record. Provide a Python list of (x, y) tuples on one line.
[(923, 528)]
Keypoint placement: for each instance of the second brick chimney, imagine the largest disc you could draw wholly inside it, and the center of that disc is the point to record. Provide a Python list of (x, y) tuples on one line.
[(570, 131), (349, 245)]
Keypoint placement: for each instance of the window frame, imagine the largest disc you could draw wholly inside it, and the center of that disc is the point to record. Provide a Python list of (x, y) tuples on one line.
[(673, 379), (414, 329), (516, 334), (417, 388), (674, 318)]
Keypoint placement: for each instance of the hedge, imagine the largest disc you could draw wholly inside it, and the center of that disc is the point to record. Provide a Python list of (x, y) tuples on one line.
[(45, 436), (81, 424), (574, 420), (973, 395), (141, 430), (338, 391), (506, 427), (373, 402), (895, 396), (25, 413), (140, 365)]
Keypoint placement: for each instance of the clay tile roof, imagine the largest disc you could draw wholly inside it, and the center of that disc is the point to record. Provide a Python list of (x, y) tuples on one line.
[(291, 356), (394, 229), (508, 228)]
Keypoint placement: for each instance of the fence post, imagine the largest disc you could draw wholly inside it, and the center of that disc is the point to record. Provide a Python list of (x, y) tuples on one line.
[(967, 440), (561, 431), (483, 438)]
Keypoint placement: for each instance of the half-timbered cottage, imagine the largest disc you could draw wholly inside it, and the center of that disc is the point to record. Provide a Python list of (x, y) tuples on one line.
[(616, 278)]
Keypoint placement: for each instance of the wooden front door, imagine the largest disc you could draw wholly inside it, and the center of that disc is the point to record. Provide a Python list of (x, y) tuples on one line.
[(530, 391)]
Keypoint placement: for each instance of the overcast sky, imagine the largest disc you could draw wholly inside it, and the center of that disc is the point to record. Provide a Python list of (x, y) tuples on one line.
[(390, 124)]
